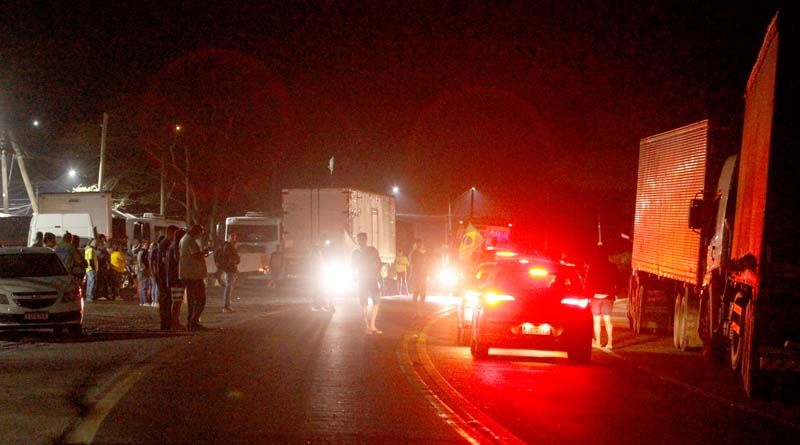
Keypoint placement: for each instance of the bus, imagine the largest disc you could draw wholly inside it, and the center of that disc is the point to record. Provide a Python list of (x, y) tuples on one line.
[(258, 236)]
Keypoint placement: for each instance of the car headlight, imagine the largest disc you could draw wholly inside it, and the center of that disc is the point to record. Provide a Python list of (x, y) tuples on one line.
[(70, 296), (448, 276), (3, 299), (336, 277)]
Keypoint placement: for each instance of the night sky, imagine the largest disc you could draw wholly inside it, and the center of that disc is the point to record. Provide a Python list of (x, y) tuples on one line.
[(538, 104)]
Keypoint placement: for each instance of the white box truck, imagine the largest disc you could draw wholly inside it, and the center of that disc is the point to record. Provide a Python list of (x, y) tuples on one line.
[(338, 214), (96, 204)]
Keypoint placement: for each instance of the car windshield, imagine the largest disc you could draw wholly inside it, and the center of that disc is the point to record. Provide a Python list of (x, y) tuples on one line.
[(518, 277), (31, 265), (254, 233)]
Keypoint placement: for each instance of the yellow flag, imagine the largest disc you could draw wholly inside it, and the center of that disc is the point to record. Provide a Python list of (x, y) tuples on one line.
[(470, 242)]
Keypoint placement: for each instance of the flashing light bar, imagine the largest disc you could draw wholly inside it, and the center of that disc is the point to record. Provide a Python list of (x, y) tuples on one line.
[(506, 254)]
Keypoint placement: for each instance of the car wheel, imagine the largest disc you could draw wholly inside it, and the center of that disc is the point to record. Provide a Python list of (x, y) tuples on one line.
[(464, 336), (478, 349), (581, 352)]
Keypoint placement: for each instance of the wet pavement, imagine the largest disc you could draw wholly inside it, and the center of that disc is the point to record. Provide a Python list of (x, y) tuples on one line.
[(277, 372)]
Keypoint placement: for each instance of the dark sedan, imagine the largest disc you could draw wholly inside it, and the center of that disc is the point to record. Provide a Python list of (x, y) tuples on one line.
[(533, 303)]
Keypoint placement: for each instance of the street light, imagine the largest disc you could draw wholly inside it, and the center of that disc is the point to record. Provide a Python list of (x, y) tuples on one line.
[(72, 173), (395, 190), (36, 123)]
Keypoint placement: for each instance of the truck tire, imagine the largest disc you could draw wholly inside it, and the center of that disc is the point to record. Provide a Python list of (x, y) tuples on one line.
[(736, 339), (756, 383), (708, 318), (636, 309), (678, 320), (691, 322)]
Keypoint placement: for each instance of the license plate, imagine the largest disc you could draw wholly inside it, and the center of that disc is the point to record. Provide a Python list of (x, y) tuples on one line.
[(530, 329), (36, 316)]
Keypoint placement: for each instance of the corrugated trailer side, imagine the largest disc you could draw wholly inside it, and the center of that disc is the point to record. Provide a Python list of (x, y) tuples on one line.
[(766, 281), (672, 168)]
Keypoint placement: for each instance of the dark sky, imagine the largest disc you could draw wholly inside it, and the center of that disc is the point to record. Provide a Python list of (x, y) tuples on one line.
[(532, 102)]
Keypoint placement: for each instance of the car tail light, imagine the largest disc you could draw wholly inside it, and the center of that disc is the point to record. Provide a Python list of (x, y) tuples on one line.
[(506, 254), (494, 297), (538, 272), (575, 301)]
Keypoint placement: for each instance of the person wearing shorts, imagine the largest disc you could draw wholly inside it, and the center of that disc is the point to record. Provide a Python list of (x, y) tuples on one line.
[(367, 262), (600, 279)]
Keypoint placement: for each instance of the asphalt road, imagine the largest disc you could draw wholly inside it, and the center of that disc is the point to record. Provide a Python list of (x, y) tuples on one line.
[(276, 372)]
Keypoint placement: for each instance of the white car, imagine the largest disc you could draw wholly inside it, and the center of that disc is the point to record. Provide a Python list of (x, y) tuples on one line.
[(36, 292)]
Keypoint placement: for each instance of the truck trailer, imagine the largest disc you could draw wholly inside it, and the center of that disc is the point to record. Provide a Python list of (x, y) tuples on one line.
[(313, 216), (96, 204), (715, 249)]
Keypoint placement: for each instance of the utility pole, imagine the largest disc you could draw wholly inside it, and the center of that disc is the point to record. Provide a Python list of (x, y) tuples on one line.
[(5, 180), (102, 152), (186, 182), (163, 206), (23, 171), (471, 203)]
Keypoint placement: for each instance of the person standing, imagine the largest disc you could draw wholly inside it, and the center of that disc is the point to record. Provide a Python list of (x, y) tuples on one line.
[(367, 262), (276, 264), (39, 241), (49, 240), (64, 251), (228, 264), (419, 275), (192, 272), (174, 283), (143, 273), (600, 284), (401, 269), (117, 271), (158, 268), (152, 260), (79, 262), (103, 268), (90, 255)]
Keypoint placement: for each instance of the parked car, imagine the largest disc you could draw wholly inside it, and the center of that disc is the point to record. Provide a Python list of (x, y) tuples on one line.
[(36, 292), (532, 303)]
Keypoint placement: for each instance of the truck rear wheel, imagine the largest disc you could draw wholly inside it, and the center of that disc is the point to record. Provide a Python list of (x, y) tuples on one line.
[(636, 309), (756, 384), (712, 343), (737, 317), (678, 320)]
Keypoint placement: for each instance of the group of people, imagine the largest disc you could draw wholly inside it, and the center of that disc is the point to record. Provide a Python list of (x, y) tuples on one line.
[(166, 269)]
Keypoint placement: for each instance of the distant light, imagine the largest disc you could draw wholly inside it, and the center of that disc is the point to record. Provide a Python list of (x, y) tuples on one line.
[(72, 173), (395, 189), (510, 225), (178, 128), (472, 188), (36, 123)]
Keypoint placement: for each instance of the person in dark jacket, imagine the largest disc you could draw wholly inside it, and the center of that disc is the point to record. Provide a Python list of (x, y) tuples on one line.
[(600, 282), (158, 270), (176, 288)]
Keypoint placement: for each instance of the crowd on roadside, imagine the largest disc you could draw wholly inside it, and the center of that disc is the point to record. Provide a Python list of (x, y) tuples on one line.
[(165, 272)]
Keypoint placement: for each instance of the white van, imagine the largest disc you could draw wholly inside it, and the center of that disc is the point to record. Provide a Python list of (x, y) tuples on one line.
[(57, 223)]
